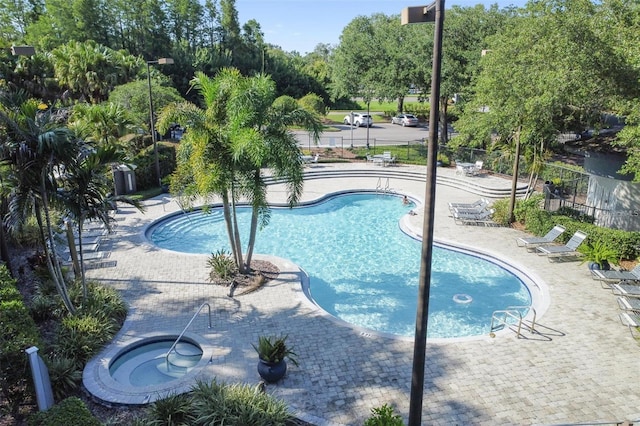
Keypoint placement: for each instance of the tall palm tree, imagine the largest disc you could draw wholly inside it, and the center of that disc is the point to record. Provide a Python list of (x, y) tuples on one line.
[(240, 132)]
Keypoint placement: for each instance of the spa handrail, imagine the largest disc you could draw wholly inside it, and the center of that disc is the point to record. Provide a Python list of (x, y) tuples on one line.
[(173, 347)]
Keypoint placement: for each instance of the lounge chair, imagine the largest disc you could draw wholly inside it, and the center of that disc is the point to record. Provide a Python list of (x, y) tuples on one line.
[(387, 158), (473, 210), (632, 275), (629, 304), (92, 255), (569, 249), (483, 217), (631, 320), (482, 202), (477, 167), (548, 238), (627, 290), (308, 159)]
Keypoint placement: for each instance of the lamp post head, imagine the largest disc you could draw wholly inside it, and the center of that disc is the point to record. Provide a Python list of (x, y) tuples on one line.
[(161, 61), (418, 14), (23, 50)]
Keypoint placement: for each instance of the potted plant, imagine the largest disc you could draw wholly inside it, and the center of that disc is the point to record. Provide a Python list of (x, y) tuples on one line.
[(272, 352), (600, 256)]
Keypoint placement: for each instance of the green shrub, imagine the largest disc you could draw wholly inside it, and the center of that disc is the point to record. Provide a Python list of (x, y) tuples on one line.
[(443, 159), (81, 337), (42, 307), (222, 266), (236, 405), (103, 302), (501, 214), (65, 376), (384, 416), (19, 332), (524, 208), (313, 103), (171, 410), (70, 412)]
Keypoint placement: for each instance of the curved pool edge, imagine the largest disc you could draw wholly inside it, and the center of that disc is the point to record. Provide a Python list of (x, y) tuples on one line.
[(537, 287), (539, 298), (97, 380)]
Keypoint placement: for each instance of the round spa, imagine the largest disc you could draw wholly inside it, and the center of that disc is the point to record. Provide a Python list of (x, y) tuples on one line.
[(150, 363), (139, 371)]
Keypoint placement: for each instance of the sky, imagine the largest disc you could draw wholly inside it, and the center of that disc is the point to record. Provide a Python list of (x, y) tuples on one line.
[(299, 25)]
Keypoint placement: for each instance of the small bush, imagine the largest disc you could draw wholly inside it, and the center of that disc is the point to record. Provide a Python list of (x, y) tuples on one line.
[(524, 208), (103, 302), (81, 337), (70, 412), (65, 376), (444, 160), (171, 410), (42, 307), (222, 265), (236, 405), (501, 214), (384, 416)]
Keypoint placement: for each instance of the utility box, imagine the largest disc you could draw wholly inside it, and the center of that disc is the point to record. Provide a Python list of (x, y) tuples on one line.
[(125, 180)]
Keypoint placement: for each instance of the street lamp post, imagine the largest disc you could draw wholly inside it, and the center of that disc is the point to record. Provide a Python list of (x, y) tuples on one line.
[(152, 127), (351, 125), (412, 15)]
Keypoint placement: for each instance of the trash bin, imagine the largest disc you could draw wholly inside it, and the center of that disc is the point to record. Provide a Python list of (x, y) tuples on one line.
[(124, 179)]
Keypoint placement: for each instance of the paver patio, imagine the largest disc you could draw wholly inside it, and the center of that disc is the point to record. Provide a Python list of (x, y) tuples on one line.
[(582, 367)]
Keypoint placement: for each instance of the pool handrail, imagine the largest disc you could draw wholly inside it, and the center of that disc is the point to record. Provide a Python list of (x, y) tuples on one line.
[(173, 347)]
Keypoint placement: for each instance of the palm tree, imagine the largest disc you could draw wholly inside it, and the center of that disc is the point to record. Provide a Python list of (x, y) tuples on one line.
[(36, 147), (85, 192), (227, 145)]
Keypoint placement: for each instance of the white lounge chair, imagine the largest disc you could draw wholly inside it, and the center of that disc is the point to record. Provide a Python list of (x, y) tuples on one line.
[(482, 202), (475, 170), (631, 320), (483, 217), (531, 242), (633, 275), (627, 290), (569, 249), (629, 304), (387, 159), (308, 159)]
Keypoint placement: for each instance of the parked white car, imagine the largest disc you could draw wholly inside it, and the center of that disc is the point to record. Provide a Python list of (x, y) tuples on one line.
[(359, 119)]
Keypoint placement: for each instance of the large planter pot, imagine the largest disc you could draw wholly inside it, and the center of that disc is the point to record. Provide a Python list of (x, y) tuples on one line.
[(271, 372), (594, 266)]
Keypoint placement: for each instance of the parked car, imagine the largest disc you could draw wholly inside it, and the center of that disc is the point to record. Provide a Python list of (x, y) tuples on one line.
[(405, 120), (359, 119)]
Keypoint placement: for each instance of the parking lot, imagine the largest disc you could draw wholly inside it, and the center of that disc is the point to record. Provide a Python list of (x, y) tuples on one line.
[(345, 136)]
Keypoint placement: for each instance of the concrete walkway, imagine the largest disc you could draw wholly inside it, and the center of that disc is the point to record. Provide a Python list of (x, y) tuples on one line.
[(582, 367)]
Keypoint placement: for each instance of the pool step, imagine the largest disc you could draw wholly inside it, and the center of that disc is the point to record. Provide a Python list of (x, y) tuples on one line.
[(184, 356)]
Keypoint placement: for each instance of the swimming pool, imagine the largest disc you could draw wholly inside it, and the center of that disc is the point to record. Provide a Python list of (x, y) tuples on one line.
[(362, 268)]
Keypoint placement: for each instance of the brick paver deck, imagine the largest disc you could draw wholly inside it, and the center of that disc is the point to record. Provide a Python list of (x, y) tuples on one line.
[(583, 366)]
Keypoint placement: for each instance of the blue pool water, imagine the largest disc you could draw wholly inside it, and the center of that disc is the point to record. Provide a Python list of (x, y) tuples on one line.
[(362, 267)]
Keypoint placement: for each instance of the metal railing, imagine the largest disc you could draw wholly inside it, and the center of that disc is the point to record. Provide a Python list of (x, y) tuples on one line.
[(500, 318), (173, 347)]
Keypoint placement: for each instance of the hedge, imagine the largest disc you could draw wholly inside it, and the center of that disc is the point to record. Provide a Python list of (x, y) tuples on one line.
[(70, 412), (19, 332)]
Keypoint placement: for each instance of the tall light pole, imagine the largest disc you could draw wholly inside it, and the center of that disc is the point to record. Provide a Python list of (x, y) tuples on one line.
[(152, 127), (412, 15)]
